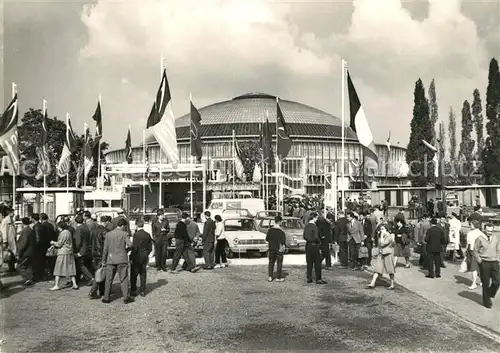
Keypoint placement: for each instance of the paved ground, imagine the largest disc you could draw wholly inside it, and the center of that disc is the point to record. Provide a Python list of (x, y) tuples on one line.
[(234, 310)]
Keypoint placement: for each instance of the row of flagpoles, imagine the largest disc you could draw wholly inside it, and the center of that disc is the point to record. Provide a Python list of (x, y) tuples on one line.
[(161, 123)]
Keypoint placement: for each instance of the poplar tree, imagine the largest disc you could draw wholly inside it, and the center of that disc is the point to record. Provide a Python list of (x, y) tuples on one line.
[(466, 144), (491, 151), (477, 116)]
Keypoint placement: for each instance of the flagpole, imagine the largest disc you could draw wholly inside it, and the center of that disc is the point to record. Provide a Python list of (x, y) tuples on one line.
[(191, 158), (343, 135), (84, 179), (262, 184), (334, 190), (67, 173), (44, 176), (234, 161), (14, 169), (99, 174), (144, 173), (204, 188), (278, 164), (160, 188)]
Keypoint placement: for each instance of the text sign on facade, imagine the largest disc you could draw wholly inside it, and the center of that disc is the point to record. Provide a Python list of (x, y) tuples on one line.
[(6, 167)]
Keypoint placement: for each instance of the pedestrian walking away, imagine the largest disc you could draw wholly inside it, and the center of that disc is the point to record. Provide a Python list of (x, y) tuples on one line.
[(313, 243), (142, 245), (208, 238), (276, 239)]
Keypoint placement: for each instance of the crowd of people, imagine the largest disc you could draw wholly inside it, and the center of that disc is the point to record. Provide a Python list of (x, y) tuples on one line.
[(90, 252)]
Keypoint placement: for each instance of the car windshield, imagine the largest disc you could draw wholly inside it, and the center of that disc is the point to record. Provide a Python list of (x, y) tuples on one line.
[(239, 225), (285, 224)]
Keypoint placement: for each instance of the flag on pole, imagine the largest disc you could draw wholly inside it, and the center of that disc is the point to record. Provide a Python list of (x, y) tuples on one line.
[(97, 117), (128, 148), (64, 164), (266, 140), (8, 134), (196, 147), (359, 123), (44, 168), (148, 180), (388, 142), (238, 161), (257, 173), (163, 127), (88, 158), (354, 168), (284, 141)]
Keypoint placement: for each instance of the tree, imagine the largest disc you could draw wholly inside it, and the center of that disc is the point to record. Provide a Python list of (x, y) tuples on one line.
[(29, 139), (433, 110), (418, 156), (491, 151), (477, 114), (466, 145), (452, 130), (442, 138)]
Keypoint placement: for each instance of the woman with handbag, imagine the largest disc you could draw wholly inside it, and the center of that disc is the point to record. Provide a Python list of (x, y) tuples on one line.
[(402, 247), (65, 262), (384, 257)]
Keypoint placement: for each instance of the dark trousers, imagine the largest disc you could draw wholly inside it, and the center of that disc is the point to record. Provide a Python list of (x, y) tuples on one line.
[(343, 253), (189, 258), (423, 257), (325, 254), (209, 254), (369, 246), (139, 269), (111, 271), (12, 262), (25, 268), (443, 254), (275, 257), (39, 266), (313, 259), (434, 263), (220, 251), (97, 286), (83, 266), (161, 245), (489, 272), (179, 250), (354, 253)]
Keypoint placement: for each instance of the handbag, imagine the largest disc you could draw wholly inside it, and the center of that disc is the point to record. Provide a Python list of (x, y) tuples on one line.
[(363, 252), (463, 267), (51, 251), (100, 274)]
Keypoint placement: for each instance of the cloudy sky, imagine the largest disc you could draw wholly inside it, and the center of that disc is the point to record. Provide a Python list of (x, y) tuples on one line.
[(69, 51)]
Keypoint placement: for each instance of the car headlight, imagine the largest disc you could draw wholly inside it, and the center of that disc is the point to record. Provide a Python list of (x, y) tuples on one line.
[(236, 241), (295, 240)]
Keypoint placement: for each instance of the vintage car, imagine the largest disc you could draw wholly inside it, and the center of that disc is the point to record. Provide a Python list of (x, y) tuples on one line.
[(243, 237), (293, 228), (267, 214)]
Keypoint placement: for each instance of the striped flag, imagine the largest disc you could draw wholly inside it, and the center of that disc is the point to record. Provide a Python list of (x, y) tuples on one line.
[(283, 140), (257, 173), (388, 142), (359, 123), (163, 127), (146, 153), (196, 147), (88, 158), (237, 156), (97, 117), (128, 147), (64, 164), (44, 167), (8, 134)]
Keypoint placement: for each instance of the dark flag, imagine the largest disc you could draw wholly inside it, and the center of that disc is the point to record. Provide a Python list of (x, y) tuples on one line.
[(88, 158), (44, 168), (284, 141), (8, 134), (266, 144), (97, 117), (196, 148), (359, 123), (64, 164), (128, 148)]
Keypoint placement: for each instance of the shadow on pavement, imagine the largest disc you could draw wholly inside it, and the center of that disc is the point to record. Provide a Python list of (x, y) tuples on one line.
[(475, 297), (152, 286), (463, 280)]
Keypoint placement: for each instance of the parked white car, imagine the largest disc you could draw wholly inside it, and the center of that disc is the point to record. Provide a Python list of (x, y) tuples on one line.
[(243, 237)]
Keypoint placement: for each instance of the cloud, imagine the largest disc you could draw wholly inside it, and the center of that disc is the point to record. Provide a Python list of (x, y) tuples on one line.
[(217, 49)]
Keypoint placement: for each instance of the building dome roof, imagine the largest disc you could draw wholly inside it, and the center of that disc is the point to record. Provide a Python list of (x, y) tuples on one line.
[(244, 114)]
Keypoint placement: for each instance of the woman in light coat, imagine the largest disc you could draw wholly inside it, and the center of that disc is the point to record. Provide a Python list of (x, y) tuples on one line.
[(65, 263), (384, 261), (455, 227)]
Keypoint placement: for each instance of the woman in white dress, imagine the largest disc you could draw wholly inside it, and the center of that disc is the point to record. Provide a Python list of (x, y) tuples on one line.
[(472, 264), (384, 260)]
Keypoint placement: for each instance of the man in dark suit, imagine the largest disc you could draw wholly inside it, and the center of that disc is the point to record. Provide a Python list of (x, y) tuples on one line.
[(83, 258), (115, 257), (340, 237), (369, 231), (181, 240), (89, 222), (313, 244), (434, 239), (208, 242), (97, 245), (48, 233), (142, 245), (26, 248), (355, 235), (40, 249), (325, 235), (160, 228)]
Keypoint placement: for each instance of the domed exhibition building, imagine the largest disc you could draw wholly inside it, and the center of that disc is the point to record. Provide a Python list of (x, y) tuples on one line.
[(316, 149)]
